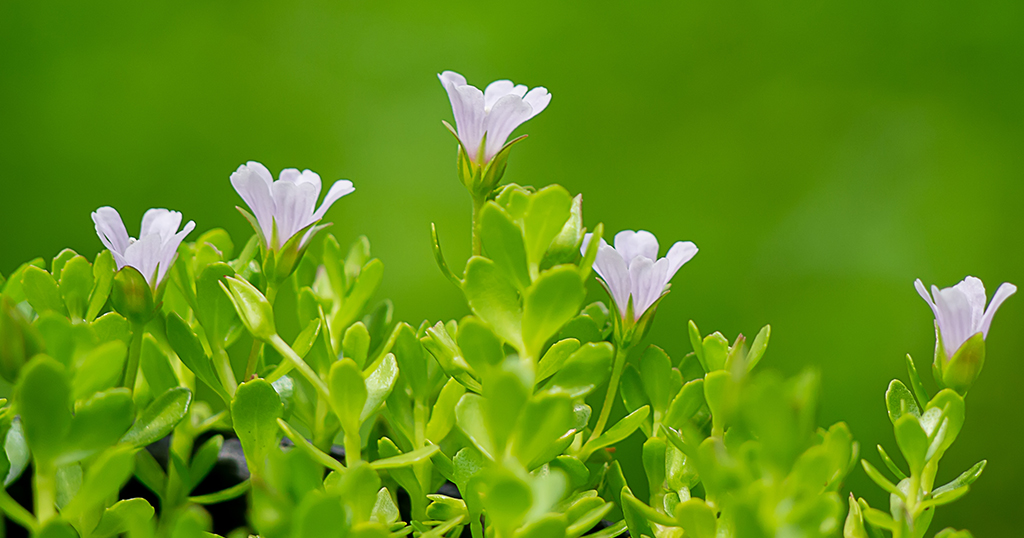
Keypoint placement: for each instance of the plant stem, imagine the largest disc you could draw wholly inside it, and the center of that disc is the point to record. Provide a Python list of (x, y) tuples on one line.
[(478, 204), (44, 484), (284, 349), (609, 397), (131, 372), (422, 469), (353, 445), (16, 512)]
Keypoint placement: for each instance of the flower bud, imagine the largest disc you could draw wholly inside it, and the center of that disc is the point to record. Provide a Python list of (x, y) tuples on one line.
[(961, 370), (253, 308), (19, 340), (132, 297)]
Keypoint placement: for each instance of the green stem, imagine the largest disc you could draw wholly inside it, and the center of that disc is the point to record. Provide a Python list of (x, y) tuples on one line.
[(609, 397), (44, 484), (353, 445), (17, 512), (288, 353), (422, 469), (131, 372), (254, 357), (478, 204)]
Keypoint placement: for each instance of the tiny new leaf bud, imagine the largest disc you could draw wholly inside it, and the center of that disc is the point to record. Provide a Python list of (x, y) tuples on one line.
[(253, 308), (132, 297)]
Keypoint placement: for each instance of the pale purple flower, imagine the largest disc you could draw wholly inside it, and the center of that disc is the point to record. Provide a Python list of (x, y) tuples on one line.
[(632, 269), (960, 310), (289, 202), (154, 251), (496, 112)]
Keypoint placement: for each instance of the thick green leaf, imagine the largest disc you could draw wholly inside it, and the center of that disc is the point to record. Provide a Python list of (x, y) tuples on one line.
[(75, 285), (366, 284), (42, 401), (412, 361), (254, 414), (112, 326), (965, 479), (156, 366), (101, 369), (503, 243), (123, 516), (656, 373), (696, 518), (494, 299), (686, 403), (41, 291), (470, 416), (507, 501), (545, 420), (405, 460), (190, 350), (159, 418), (547, 214), (99, 423), (379, 384), (584, 371), (442, 416), (505, 395), (480, 347), (553, 299), (348, 393), (204, 459), (556, 355), (356, 343), (621, 430), (103, 269), (104, 478), (213, 308), (899, 401)]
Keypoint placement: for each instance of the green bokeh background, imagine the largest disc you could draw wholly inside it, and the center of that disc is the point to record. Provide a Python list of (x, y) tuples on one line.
[(821, 155)]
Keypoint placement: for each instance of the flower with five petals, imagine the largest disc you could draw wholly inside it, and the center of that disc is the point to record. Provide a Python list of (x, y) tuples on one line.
[(284, 212), (484, 120), (961, 326), (632, 272), (153, 253)]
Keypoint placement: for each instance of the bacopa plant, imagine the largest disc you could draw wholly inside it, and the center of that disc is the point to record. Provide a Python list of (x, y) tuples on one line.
[(140, 372)]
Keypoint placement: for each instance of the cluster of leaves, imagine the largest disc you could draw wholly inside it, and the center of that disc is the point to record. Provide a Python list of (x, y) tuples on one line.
[(482, 426)]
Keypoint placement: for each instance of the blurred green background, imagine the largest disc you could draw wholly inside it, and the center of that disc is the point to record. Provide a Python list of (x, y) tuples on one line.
[(822, 155)]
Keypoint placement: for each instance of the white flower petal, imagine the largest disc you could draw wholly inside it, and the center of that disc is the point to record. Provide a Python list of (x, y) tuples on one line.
[(162, 222), (954, 317), (974, 290), (252, 182), (453, 77), (144, 255), (610, 266), (586, 243), (640, 243), (1005, 291), (468, 110), (111, 231), (648, 281), (293, 208), (498, 89), (640, 275), (538, 99), (340, 188), (169, 251), (508, 113), (679, 254)]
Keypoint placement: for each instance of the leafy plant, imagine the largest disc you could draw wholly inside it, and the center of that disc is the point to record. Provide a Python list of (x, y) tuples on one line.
[(495, 425)]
